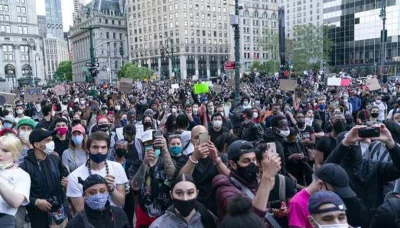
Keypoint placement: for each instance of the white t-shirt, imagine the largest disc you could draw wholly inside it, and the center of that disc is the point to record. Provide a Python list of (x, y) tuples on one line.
[(20, 182), (382, 108), (74, 189)]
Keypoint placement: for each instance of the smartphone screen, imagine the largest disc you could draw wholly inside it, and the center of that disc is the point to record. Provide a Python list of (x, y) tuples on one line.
[(203, 137), (271, 148)]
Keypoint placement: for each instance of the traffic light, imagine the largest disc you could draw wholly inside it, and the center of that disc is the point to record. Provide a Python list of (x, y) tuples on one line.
[(162, 52), (92, 74), (121, 49)]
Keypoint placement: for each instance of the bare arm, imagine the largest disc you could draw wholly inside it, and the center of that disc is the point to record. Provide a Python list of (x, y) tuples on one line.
[(118, 195), (169, 166), (319, 159), (260, 200), (14, 199), (188, 168), (221, 167), (77, 203), (139, 177)]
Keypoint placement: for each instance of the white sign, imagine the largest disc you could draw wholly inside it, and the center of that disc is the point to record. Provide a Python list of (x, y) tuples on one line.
[(334, 81), (175, 86)]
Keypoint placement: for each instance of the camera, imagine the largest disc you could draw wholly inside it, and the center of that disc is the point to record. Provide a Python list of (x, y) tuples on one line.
[(369, 132), (55, 205)]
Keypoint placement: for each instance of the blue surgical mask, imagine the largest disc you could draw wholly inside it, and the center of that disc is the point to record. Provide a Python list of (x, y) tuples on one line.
[(7, 125), (157, 152), (98, 201), (322, 106), (78, 139), (123, 122), (175, 150)]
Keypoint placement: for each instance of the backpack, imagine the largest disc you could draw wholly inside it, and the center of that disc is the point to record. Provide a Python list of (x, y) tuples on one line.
[(393, 202)]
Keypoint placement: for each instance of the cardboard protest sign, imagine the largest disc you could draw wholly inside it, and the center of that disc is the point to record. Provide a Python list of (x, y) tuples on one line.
[(139, 85), (287, 84), (201, 88), (59, 90), (33, 94), (373, 84), (125, 85), (175, 86), (334, 81), (7, 98)]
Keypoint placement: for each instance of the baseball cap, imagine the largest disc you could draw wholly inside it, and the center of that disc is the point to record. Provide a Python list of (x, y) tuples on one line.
[(323, 197), (26, 121), (79, 128), (336, 176), (38, 135), (9, 118), (239, 147)]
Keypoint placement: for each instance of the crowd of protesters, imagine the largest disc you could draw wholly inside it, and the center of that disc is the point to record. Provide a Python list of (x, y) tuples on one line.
[(311, 156)]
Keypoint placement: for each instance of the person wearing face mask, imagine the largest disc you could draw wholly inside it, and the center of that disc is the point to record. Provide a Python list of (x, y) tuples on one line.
[(226, 122), (329, 177), (47, 199), (46, 121), (176, 151), (149, 177), (327, 210), (194, 120), (347, 105), (82, 103), (217, 128), (13, 194), (150, 113), (24, 129), (8, 122), (98, 212), (249, 130), (75, 155), (243, 180), (98, 146), (382, 108), (246, 103), (135, 147), (61, 139), (19, 110), (327, 144), (185, 207)]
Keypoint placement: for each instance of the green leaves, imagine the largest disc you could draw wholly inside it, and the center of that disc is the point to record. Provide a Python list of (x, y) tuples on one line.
[(134, 71), (64, 71), (269, 67)]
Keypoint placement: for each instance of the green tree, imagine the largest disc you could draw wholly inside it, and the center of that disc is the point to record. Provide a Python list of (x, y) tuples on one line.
[(270, 43), (64, 71), (134, 71)]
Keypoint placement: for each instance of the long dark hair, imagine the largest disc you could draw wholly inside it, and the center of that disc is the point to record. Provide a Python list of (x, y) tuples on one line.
[(207, 218)]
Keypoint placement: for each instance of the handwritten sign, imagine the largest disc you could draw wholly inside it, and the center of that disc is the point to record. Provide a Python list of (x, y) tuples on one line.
[(334, 81), (7, 98), (373, 84), (125, 85), (59, 90), (201, 88), (33, 94), (175, 86), (287, 84)]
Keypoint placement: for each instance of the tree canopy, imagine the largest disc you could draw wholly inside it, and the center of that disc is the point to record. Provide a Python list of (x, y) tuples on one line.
[(134, 71), (64, 71)]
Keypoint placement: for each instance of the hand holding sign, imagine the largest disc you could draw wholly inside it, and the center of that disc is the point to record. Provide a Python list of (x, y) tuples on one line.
[(33, 94)]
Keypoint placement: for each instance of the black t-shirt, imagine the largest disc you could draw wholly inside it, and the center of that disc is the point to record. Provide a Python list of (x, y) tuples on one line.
[(215, 134), (326, 145), (132, 153), (60, 145), (306, 133), (179, 162)]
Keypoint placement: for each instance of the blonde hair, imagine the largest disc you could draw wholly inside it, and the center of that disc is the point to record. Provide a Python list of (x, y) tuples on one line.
[(12, 144)]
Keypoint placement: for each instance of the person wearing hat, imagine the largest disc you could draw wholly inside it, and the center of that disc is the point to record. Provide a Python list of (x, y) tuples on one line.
[(24, 128), (9, 122), (98, 212), (249, 130), (327, 209), (47, 199), (243, 180), (76, 154)]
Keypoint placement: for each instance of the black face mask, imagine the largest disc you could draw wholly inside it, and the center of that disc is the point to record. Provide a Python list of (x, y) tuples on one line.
[(374, 115), (147, 124), (121, 152), (339, 127), (76, 122), (185, 206), (104, 127), (248, 173), (300, 124)]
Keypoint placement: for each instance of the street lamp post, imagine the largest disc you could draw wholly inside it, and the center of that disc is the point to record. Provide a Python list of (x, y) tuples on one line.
[(382, 15), (235, 24), (31, 46), (36, 56), (170, 40)]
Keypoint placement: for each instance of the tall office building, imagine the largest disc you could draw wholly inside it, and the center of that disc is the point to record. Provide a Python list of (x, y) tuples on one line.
[(54, 19), (356, 31), (42, 25), (197, 32), (302, 12), (108, 38), (21, 46), (256, 19), (78, 4)]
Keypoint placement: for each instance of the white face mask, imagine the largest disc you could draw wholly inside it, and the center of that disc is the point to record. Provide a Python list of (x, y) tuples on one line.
[(255, 115), (117, 108), (82, 102), (217, 123), (283, 133), (24, 134), (245, 103), (195, 110), (38, 107), (20, 111), (345, 225), (6, 165), (174, 110), (378, 101), (49, 147)]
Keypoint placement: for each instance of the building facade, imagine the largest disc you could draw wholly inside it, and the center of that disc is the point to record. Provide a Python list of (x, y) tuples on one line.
[(54, 19), (197, 32), (356, 28), (110, 35), (21, 46), (42, 25), (302, 12), (256, 19), (56, 51)]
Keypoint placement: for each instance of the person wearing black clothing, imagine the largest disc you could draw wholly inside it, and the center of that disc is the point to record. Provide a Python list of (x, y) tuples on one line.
[(249, 131), (367, 177), (216, 129), (388, 213), (47, 117), (61, 140), (194, 120), (326, 145), (47, 204), (225, 121), (129, 132), (97, 211)]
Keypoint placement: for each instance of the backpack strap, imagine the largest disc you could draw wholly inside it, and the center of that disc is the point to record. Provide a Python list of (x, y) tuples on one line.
[(394, 205), (85, 220), (282, 188)]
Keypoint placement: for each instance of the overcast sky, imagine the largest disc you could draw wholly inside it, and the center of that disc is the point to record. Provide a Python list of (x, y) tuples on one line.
[(67, 10)]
